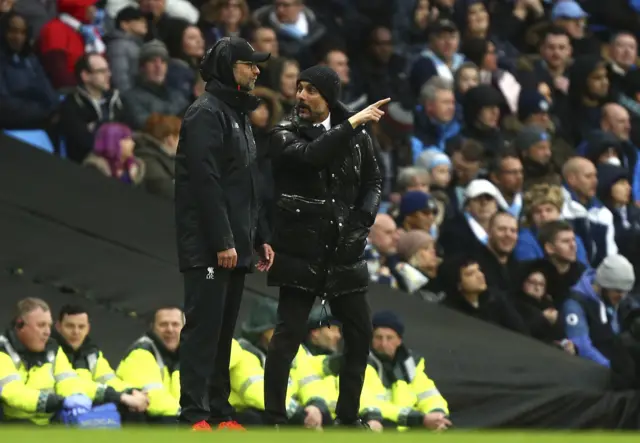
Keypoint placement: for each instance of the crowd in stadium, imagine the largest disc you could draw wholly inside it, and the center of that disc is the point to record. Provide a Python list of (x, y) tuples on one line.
[(509, 153)]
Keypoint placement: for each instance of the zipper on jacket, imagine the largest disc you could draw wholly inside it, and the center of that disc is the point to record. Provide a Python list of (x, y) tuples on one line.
[(313, 201)]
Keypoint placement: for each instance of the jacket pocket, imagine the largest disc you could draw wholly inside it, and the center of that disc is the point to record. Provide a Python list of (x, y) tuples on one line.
[(299, 221)]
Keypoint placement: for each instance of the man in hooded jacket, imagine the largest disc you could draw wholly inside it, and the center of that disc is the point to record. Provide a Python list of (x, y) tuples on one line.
[(217, 211), (327, 186)]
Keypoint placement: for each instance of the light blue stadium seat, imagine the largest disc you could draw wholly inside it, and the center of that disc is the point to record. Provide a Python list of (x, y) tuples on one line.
[(36, 138)]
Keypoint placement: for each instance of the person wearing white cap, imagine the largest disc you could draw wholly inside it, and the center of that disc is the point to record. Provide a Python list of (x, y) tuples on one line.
[(469, 229), (591, 312)]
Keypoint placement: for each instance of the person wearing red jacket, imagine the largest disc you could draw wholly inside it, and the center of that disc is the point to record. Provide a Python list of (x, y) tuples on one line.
[(64, 39)]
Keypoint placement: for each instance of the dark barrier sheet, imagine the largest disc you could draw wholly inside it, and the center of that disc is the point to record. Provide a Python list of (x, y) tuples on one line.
[(112, 246)]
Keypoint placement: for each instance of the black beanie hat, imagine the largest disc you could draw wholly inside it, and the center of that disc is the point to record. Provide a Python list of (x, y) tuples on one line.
[(388, 319), (325, 80)]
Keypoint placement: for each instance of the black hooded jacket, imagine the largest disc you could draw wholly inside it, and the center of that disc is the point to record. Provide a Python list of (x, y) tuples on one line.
[(217, 200), (327, 193)]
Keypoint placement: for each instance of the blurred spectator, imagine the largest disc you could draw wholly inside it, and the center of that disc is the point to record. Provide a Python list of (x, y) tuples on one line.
[(537, 309), (469, 231), (481, 112), (411, 21), (123, 47), (6, 6), (441, 58), (552, 65), (534, 146), (182, 10), (156, 146), (507, 173), (569, 15), (435, 123), (224, 18), (151, 94), (284, 80), (560, 265), (381, 251), (591, 313), (543, 203), (418, 210), (186, 49), (588, 91), (64, 39), (27, 99), (623, 53), (263, 119), (468, 293), (264, 39), (350, 92), (113, 154), (409, 179), (417, 249), (163, 24), (591, 220), (381, 71), (466, 77), (296, 27), (497, 260), (90, 105), (482, 52), (37, 12), (466, 159), (439, 166), (614, 191)]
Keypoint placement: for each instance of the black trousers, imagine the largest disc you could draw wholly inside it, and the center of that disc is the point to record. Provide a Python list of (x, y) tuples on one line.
[(211, 305), (353, 311)]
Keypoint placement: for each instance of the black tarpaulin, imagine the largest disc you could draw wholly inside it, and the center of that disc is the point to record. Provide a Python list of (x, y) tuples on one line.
[(75, 235)]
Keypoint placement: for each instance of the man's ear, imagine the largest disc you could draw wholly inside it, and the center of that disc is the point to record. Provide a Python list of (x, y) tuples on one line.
[(548, 248)]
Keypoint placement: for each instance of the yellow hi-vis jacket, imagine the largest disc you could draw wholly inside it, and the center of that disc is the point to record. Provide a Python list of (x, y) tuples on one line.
[(33, 386), (151, 368), (405, 398), (248, 381), (90, 364), (317, 385)]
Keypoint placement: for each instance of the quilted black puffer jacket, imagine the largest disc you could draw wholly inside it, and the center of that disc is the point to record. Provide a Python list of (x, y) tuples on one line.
[(327, 193)]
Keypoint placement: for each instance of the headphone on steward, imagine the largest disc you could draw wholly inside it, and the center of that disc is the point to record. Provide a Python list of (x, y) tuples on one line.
[(208, 65), (18, 323)]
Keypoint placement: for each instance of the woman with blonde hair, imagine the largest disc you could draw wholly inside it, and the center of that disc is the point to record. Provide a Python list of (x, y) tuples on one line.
[(157, 145), (542, 203)]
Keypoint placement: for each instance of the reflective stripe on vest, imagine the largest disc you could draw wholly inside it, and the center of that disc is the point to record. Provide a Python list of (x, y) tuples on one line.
[(156, 352)]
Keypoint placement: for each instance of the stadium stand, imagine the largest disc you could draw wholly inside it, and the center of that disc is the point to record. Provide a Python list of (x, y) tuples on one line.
[(67, 234)]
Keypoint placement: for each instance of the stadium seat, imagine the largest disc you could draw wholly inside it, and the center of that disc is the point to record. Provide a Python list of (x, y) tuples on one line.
[(36, 138)]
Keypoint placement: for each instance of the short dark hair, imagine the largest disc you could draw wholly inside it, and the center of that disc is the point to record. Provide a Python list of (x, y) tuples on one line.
[(553, 30), (550, 230), (250, 33), (83, 65), (70, 309), (501, 213), (471, 150), (152, 319), (496, 164)]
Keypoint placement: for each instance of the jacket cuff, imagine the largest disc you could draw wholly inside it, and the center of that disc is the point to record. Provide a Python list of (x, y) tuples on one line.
[(110, 395), (413, 419), (49, 403), (371, 414)]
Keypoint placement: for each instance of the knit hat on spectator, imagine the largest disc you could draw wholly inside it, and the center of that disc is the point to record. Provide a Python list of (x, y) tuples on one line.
[(530, 102), (388, 319), (414, 201), (615, 272), (567, 9), (431, 158), (153, 49), (411, 242), (529, 136), (608, 176), (325, 80), (128, 14), (319, 317), (263, 316)]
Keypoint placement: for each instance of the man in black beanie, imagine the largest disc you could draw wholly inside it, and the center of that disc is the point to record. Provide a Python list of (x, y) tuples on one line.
[(327, 185), (216, 209)]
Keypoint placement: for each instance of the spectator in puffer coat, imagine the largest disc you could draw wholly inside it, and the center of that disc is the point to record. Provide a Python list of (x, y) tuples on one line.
[(123, 47), (27, 99)]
